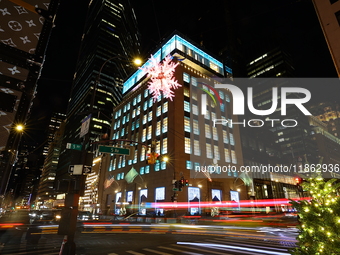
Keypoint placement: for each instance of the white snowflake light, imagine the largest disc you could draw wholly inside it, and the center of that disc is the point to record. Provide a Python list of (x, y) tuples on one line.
[(162, 78)]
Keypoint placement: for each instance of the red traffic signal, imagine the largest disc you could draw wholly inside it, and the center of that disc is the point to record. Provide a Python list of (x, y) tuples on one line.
[(151, 158)]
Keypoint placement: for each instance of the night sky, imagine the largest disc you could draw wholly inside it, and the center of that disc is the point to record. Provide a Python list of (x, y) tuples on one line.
[(255, 25)]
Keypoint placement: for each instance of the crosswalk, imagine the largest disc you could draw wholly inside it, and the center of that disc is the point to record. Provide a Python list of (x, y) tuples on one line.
[(216, 246)]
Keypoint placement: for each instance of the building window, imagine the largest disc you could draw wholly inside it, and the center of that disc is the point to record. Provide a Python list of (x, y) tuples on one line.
[(138, 110), (231, 136), (207, 131), (215, 135), (145, 106), (233, 157), (165, 125), (197, 150), (165, 146), (141, 171), (146, 92), (195, 109), (209, 151), (142, 154), (144, 119), (163, 165), (158, 128), (186, 77), (139, 98), (186, 92), (193, 81), (226, 155), (216, 153), (187, 145), (187, 124), (165, 107), (157, 166), (186, 106), (159, 111), (150, 102), (134, 101), (225, 137), (188, 165), (149, 132), (147, 169), (144, 135), (196, 127), (150, 116)]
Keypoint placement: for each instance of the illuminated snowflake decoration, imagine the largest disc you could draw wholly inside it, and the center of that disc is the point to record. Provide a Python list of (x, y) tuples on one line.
[(162, 78)]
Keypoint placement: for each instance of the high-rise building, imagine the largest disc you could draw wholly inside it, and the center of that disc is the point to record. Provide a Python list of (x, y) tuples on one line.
[(329, 16), (110, 42), (177, 130), (23, 41), (46, 192)]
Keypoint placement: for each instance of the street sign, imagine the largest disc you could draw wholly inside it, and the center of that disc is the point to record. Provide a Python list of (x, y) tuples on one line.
[(79, 169), (87, 169), (115, 150), (85, 126), (74, 146)]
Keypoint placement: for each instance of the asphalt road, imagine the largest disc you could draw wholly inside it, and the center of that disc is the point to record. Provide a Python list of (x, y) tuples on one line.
[(194, 240)]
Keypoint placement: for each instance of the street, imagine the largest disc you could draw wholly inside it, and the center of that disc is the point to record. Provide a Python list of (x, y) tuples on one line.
[(165, 239)]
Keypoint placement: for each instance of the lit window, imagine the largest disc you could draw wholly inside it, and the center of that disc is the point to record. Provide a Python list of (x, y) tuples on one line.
[(144, 135), (225, 137), (233, 157), (134, 113), (144, 119), (193, 81), (142, 154), (196, 127), (157, 166), (186, 77), (227, 155), (137, 123), (124, 119), (197, 150), (231, 136), (159, 111), (215, 135), (165, 146), (186, 106), (163, 165), (158, 148), (216, 153), (145, 106), (207, 115), (134, 101), (138, 110), (187, 145), (194, 109), (188, 165), (187, 124), (147, 169), (139, 98), (149, 132), (158, 128), (208, 150), (150, 116), (141, 171), (150, 102), (146, 93), (186, 92), (207, 131), (165, 107), (165, 125)]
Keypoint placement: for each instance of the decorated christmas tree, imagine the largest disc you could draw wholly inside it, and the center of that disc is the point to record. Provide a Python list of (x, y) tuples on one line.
[(319, 218)]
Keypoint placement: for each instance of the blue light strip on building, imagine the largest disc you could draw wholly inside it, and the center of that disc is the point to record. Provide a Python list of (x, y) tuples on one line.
[(176, 42)]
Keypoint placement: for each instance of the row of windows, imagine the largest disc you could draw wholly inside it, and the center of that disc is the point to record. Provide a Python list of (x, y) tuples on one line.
[(121, 161), (145, 169)]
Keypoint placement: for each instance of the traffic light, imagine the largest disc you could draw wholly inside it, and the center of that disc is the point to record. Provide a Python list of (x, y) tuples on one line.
[(186, 182), (151, 158), (298, 181)]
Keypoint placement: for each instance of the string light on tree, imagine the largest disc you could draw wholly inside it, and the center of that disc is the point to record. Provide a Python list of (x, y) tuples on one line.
[(162, 80), (319, 231)]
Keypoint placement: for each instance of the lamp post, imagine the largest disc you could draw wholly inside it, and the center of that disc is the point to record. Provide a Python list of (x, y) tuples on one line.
[(68, 221)]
